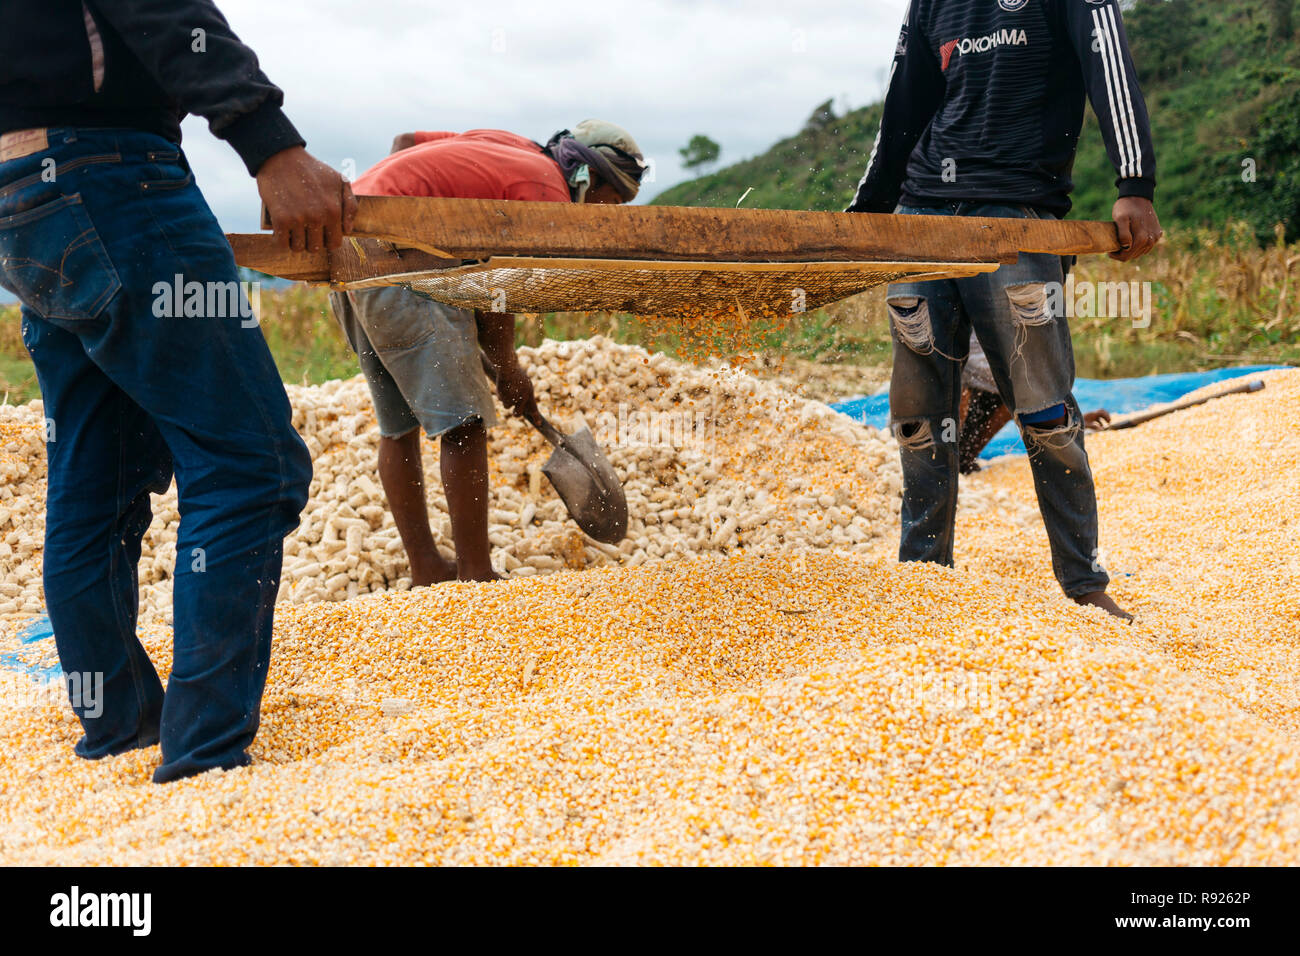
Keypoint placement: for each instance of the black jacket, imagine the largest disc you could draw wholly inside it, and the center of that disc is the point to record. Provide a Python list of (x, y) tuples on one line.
[(986, 101), (138, 64)]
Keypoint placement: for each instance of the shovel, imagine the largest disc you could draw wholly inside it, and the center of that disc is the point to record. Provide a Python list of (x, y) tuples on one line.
[(581, 475), (585, 481)]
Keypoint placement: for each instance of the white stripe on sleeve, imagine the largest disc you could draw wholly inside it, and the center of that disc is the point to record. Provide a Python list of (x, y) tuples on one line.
[(1121, 134), (1124, 86)]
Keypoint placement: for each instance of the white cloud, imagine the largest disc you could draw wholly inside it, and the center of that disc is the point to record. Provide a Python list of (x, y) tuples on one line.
[(356, 73)]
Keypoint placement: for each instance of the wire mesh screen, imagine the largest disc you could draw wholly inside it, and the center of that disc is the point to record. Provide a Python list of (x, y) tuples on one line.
[(662, 288)]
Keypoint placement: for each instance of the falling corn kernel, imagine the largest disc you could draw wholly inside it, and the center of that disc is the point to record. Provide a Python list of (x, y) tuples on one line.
[(764, 696)]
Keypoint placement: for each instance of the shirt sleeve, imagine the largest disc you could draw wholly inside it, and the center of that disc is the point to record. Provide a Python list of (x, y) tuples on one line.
[(194, 56), (1096, 31), (916, 88)]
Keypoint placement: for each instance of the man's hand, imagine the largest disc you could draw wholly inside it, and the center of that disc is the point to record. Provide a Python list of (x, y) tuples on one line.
[(403, 141), (311, 205), (1096, 421), (1139, 227), (515, 389)]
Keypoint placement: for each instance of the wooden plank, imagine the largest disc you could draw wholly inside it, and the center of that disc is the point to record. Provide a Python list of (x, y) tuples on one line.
[(265, 254), (365, 258), (356, 259), (479, 228)]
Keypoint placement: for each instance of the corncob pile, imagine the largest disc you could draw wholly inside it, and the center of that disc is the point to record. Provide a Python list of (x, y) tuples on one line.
[(810, 706), (22, 496), (705, 456)]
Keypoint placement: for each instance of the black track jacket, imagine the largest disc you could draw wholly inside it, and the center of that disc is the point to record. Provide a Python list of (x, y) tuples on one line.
[(136, 64), (986, 101)]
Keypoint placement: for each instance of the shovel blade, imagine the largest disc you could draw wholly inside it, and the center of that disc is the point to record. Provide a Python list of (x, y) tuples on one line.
[(589, 487)]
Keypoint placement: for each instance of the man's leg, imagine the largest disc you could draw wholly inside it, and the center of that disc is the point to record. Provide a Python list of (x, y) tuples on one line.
[(1032, 359), (401, 470), (104, 458), (402, 474), (429, 352), (982, 419), (205, 376), (930, 336), (464, 466)]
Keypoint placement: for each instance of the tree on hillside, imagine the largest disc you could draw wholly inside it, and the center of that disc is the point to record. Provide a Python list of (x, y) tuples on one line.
[(699, 152), (822, 119), (1281, 20)]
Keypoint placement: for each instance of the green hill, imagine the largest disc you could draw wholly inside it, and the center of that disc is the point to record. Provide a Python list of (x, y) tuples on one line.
[(1222, 81)]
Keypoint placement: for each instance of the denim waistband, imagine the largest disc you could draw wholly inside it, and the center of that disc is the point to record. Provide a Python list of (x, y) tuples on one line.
[(111, 138), (73, 147)]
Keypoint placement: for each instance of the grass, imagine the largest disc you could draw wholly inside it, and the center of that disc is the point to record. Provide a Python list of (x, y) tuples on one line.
[(306, 341), (1219, 300)]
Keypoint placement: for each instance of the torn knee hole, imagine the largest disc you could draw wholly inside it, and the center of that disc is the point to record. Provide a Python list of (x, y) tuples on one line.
[(915, 435), (1054, 417), (1029, 304), (910, 316), (1053, 428)]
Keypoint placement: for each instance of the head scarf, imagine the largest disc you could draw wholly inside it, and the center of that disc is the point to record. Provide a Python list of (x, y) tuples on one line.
[(594, 146)]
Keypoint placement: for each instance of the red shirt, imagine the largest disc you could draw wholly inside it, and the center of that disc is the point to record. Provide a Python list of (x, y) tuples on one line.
[(480, 164)]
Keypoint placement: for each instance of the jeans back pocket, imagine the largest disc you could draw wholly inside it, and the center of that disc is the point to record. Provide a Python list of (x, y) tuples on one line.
[(51, 257)]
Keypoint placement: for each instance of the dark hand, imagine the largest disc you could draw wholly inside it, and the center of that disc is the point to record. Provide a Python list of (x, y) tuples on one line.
[(1139, 227), (311, 205), (1096, 421), (515, 389)]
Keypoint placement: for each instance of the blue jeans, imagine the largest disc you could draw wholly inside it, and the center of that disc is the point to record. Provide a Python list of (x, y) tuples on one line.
[(135, 393), (1032, 361)]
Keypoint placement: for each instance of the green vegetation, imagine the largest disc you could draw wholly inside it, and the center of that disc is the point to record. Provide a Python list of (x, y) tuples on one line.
[(699, 152), (817, 169), (308, 345), (1222, 81)]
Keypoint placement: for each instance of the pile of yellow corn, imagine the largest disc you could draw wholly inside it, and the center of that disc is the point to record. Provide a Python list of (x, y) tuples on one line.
[(711, 459), (807, 705)]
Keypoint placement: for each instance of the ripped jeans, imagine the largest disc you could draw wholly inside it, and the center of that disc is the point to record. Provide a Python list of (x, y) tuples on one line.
[(1032, 361)]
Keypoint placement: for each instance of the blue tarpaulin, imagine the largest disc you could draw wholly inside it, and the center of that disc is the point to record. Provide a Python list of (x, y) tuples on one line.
[(37, 629), (1119, 396)]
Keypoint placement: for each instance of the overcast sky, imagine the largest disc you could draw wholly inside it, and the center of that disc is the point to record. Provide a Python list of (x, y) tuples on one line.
[(356, 72)]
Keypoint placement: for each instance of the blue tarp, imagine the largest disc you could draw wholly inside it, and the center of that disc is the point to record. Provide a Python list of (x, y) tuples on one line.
[(1118, 396), (37, 629)]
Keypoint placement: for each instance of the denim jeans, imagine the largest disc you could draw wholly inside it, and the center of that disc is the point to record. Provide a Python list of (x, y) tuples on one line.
[(95, 232), (1032, 361)]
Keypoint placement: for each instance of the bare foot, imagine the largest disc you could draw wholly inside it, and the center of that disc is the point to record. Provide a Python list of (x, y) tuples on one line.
[(480, 574), (431, 569), (1104, 601)]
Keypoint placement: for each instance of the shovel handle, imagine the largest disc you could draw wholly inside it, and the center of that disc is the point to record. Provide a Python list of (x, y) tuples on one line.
[(535, 418), (532, 415), (1141, 419)]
